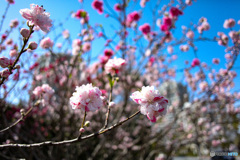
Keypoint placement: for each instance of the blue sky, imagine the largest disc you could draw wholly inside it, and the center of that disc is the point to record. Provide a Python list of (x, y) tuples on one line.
[(216, 11)]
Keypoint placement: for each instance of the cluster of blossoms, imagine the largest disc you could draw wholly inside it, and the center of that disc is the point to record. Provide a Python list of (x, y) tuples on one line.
[(37, 16), (168, 20), (204, 25), (87, 98), (151, 102), (132, 17), (44, 92)]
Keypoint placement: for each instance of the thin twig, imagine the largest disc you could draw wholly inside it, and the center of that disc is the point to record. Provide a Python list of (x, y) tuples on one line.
[(23, 115), (109, 100), (75, 140), (11, 67), (4, 16)]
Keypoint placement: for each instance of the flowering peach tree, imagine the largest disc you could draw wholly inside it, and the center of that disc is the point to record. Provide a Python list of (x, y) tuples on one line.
[(61, 101)]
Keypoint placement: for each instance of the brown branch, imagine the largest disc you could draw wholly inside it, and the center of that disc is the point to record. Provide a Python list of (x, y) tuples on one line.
[(23, 115), (11, 67), (75, 140), (109, 100)]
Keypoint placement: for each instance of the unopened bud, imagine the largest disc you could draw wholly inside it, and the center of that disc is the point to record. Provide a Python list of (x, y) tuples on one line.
[(111, 104), (5, 73), (32, 45), (25, 32), (17, 66), (4, 62), (22, 111), (87, 123), (13, 53), (81, 130)]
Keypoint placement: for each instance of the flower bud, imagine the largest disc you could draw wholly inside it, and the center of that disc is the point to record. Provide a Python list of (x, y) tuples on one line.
[(25, 32), (13, 53), (17, 66), (87, 123), (32, 45), (111, 104), (4, 62), (5, 73), (22, 111), (81, 130)]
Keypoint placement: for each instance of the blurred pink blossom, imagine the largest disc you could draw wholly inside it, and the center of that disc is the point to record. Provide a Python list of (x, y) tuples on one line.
[(113, 66), (46, 43), (37, 16)]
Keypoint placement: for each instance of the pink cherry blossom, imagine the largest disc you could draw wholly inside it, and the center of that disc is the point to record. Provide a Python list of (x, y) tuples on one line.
[(13, 52), (43, 92), (87, 98), (14, 23), (117, 7), (195, 62), (167, 23), (145, 28), (37, 16), (229, 23), (143, 3), (108, 52), (215, 61), (86, 46), (184, 48), (134, 16), (98, 5), (113, 66), (65, 34), (190, 34), (175, 12), (151, 102), (46, 43)]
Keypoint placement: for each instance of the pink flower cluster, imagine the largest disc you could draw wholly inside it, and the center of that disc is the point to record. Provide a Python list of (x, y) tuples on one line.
[(113, 66), (98, 5), (132, 17), (37, 16), (151, 102), (76, 45), (44, 92), (204, 26), (168, 20), (87, 98)]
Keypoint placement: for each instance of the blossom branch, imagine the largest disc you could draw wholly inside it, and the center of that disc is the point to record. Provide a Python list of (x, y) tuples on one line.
[(23, 115), (75, 140), (25, 41)]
